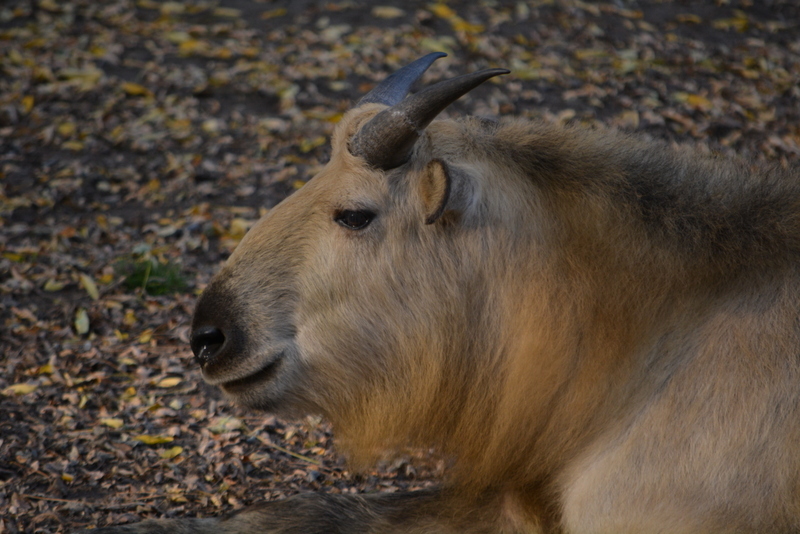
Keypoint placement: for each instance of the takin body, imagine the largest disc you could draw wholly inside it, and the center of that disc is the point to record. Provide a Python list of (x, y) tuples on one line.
[(599, 332)]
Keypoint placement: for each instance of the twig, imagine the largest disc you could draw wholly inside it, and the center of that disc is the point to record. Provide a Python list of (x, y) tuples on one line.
[(290, 453), (42, 498)]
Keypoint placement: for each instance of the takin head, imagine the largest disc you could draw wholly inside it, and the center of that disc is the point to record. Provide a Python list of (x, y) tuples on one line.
[(364, 295)]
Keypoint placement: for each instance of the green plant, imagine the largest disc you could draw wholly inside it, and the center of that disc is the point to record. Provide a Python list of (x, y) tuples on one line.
[(153, 276)]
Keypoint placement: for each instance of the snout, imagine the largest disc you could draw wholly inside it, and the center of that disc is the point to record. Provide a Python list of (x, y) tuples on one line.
[(217, 340)]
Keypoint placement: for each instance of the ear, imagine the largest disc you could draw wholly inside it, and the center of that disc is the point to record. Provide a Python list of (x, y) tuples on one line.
[(435, 189)]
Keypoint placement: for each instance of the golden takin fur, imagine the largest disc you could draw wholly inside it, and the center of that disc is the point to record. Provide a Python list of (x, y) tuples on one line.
[(601, 333)]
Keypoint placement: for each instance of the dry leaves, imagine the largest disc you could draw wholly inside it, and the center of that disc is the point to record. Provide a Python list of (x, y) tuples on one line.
[(143, 138)]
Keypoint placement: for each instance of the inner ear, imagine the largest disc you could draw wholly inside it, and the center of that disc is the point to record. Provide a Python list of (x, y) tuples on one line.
[(435, 189)]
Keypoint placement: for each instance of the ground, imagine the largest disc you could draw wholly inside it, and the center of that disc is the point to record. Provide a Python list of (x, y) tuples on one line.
[(140, 139)]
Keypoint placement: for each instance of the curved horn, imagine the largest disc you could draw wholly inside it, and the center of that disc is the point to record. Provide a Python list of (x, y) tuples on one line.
[(387, 140), (395, 86)]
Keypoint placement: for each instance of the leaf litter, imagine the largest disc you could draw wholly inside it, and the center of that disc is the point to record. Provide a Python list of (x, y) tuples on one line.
[(139, 141)]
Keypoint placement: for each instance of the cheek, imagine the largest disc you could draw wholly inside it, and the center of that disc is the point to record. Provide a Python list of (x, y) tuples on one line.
[(338, 291)]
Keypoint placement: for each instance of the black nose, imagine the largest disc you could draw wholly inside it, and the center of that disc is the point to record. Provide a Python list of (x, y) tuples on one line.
[(206, 343)]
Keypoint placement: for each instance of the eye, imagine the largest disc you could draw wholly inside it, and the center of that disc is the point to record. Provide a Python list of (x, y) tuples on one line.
[(354, 219)]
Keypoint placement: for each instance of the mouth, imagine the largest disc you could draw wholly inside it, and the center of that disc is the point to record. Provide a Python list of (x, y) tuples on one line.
[(265, 374)]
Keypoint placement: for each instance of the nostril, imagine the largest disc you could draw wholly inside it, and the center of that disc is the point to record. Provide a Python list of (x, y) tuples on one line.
[(206, 343)]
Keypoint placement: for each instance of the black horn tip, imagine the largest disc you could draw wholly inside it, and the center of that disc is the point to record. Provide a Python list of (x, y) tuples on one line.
[(395, 86)]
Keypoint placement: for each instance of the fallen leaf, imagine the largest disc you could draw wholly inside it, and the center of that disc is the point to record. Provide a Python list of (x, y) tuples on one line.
[(112, 422), (225, 424), (27, 103), (387, 12), (75, 146), (169, 382), (66, 129), (153, 440), (228, 12), (272, 13), (81, 321), (171, 453), (20, 389), (88, 284), (135, 89), (689, 18), (53, 285), (146, 336), (442, 10), (693, 100)]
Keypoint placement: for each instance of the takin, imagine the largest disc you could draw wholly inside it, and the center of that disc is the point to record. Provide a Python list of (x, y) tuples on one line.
[(600, 333)]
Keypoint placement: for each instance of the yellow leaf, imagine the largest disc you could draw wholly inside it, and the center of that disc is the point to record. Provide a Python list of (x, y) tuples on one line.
[(81, 321), (172, 8), (27, 103), (20, 389), (461, 25), (130, 318), (588, 53), (171, 453), (698, 101), (740, 24), (146, 336), (631, 13), (53, 285), (42, 73), (153, 440), (192, 45), (629, 119), (50, 5), (297, 184), (689, 18), (66, 477), (88, 77), (387, 12), (307, 145), (229, 12), (13, 256), (225, 424), (695, 101), (66, 129), (122, 336), (442, 10), (212, 125), (134, 89), (178, 37), (169, 382), (272, 13), (222, 53), (239, 226), (112, 422), (89, 285), (46, 369), (75, 146)]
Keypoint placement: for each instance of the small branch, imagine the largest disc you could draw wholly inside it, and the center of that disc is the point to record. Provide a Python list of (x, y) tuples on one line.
[(42, 498), (290, 453)]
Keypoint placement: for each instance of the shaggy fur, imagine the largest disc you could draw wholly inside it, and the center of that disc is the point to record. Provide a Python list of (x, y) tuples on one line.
[(599, 332)]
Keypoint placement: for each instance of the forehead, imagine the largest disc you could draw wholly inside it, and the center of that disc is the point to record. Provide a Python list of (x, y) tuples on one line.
[(346, 175), (345, 180)]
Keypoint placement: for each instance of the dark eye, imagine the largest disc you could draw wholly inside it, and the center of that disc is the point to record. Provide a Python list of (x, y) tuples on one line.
[(354, 219)]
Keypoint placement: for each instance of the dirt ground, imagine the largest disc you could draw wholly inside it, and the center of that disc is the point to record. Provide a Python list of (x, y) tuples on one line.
[(140, 139)]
